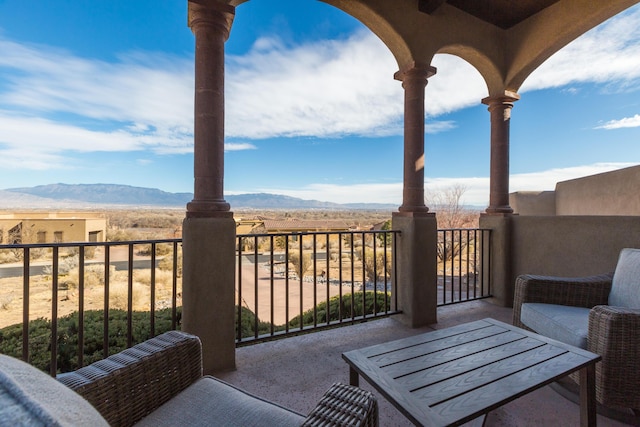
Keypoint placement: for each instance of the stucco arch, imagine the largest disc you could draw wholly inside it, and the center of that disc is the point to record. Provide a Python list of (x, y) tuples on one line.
[(534, 40), (504, 57), (489, 71), (377, 20), (369, 15)]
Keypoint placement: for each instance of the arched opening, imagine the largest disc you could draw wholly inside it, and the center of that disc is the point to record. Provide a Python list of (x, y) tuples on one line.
[(314, 93)]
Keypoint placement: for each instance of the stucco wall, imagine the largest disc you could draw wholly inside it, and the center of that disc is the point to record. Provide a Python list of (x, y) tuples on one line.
[(73, 230), (533, 202), (610, 193), (571, 245)]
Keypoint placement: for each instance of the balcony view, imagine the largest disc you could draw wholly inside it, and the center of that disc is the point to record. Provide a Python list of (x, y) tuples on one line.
[(298, 212)]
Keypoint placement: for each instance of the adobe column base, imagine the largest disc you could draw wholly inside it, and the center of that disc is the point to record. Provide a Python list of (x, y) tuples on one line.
[(208, 289), (416, 261)]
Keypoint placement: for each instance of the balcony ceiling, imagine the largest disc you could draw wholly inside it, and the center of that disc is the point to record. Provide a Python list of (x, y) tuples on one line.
[(501, 13)]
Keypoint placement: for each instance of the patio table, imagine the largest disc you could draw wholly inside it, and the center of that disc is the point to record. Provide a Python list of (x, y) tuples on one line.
[(455, 375)]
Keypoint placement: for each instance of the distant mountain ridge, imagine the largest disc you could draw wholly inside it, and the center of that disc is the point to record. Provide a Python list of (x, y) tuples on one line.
[(76, 195)]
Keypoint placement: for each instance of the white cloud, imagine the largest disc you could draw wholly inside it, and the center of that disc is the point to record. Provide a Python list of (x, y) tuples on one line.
[(476, 188), (52, 101), (335, 88), (627, 122), (238, 146), (610, 53), (325, 88)]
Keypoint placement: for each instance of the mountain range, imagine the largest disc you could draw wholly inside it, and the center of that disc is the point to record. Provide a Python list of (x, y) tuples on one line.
[(69, 196)]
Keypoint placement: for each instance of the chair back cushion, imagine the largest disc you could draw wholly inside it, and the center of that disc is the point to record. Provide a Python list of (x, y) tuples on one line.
[(29, 397), (625, 288)]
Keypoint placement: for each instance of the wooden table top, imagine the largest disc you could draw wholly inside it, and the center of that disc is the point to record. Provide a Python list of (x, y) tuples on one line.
[(453, 375)]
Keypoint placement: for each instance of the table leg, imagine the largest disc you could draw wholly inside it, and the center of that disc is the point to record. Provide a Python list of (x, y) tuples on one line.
[(353, 377), (588, 396)]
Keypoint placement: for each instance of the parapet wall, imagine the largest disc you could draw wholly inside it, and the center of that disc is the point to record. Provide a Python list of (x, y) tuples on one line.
[(609, 193), (571, 246)]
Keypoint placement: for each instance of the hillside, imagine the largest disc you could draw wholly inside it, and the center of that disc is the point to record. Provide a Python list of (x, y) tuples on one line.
[(105, 195)]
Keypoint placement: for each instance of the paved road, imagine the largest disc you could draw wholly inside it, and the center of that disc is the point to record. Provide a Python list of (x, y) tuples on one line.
[(34, 270)]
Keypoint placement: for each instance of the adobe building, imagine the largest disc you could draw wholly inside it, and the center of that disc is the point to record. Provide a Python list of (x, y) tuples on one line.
[(52, 227), (608, 193)]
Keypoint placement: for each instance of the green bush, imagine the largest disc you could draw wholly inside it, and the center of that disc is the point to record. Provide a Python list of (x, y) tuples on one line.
[(67, 333), (346, 309), (67, 336), (247, 325)]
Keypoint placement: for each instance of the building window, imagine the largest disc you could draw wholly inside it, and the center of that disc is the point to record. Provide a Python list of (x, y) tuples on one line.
[(41, 237), (57, 237), (95, 236)]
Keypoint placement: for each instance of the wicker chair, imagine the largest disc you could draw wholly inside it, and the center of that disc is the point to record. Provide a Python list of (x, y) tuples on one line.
[(598, 313), (159, 382)]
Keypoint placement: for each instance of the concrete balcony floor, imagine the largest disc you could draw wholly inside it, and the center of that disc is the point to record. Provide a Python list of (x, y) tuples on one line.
[(295, 372)]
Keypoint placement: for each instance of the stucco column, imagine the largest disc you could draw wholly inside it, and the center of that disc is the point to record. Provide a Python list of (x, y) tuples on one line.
[(210, 22), (414, 81), (415, 282), (500, 109), (208, 232)]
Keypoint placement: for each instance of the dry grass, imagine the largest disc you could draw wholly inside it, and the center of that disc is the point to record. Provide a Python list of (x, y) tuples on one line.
[(40, 294)]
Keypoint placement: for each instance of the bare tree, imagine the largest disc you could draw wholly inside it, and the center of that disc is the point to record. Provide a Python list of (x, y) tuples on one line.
[(450, 211), (452, 214)]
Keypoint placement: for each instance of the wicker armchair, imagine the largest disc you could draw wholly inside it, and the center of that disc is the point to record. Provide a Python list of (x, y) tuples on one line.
[(600, 313), (159, 382)]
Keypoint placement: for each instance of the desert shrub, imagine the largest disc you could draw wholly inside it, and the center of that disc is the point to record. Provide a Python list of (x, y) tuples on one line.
[(307, 242), (247, 244), (8, 256), (93, 276), (300, 266), (247, 324), (145, 219), (65, 266), (119, 296), (164, 278), (5, 301), (161, 249), (119, 235), (280, 242), (375, 269), (67, 336), (166, 264), (345, 308)]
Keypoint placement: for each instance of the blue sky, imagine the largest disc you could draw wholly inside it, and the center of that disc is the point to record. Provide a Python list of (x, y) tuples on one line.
[(102, 92)]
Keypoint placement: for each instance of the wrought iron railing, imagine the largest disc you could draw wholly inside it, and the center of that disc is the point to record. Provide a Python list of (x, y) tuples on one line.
[(78, 302), (290, 283), (464, 272)]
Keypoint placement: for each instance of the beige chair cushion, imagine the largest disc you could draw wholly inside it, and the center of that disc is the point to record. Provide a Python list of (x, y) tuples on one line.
[(211, 402)]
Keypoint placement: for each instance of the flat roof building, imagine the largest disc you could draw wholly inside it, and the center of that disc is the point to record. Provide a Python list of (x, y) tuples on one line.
[(52, 227)]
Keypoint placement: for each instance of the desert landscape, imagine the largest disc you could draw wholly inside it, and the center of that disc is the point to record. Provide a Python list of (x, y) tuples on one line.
[(131, 225)]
